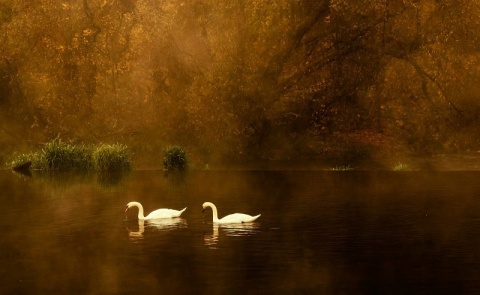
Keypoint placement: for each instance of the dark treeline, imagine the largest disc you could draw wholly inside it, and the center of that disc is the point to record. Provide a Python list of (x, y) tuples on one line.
[(243, 80)]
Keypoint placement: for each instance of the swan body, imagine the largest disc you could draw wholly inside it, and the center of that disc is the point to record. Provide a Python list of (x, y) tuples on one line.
[(232, 218), (157, 214)]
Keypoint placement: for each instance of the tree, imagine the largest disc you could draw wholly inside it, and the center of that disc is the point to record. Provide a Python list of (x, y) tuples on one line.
[(245, 79)]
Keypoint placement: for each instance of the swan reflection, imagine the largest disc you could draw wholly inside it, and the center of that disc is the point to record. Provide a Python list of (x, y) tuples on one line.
[(231, 230), (165, 224)]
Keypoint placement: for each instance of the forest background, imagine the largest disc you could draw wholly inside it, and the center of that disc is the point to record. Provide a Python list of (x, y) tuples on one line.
[(245, 81)]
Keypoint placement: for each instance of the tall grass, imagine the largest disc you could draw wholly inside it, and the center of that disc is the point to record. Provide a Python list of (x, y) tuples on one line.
[(111, 157), (60, 155)]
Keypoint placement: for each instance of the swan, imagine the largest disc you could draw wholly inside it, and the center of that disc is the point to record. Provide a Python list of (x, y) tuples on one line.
[(157, 214), (232, 218)]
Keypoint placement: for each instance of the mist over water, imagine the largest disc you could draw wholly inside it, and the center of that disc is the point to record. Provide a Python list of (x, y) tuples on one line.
[(320, 232)]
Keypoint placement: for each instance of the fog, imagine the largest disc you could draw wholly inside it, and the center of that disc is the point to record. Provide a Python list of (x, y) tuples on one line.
[(243, 81)]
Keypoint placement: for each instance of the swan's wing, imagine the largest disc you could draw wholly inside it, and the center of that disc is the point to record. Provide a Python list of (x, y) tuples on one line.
[(254, 218), (238, 218), (164, 213), (176, 213)]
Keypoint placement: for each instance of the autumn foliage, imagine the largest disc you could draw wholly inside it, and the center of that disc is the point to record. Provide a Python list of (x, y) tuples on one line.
[(242, 80)]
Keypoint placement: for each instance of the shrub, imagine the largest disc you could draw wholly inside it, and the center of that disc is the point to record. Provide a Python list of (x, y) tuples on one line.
[(175, 157), (111, 157)]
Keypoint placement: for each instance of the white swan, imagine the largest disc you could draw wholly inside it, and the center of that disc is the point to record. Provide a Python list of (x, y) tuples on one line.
[(232, 218), (157, 214)]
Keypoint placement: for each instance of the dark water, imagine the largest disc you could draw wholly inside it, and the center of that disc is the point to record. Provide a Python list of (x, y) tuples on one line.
[(319, 233)]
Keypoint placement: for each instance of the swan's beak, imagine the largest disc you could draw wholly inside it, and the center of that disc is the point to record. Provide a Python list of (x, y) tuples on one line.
[(203, 210), (126, 209)]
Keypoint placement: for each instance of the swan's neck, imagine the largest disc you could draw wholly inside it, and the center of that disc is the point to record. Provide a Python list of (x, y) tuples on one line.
[(214, 213), (141, 226), (140, 210)]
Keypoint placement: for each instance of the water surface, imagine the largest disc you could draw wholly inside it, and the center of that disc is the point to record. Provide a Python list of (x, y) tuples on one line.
[(320, 232)]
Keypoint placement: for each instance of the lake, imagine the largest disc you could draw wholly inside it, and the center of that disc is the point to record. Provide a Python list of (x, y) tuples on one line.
[(320, 232)]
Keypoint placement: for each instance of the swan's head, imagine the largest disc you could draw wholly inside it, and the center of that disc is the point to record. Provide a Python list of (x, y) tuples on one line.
[(205, 205), (129, 205)]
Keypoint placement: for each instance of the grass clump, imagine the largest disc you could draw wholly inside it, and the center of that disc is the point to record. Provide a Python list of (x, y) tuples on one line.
[(342, 168), (175, 157), (401, 167), (111, 157), (60, 155), (20, 159)]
